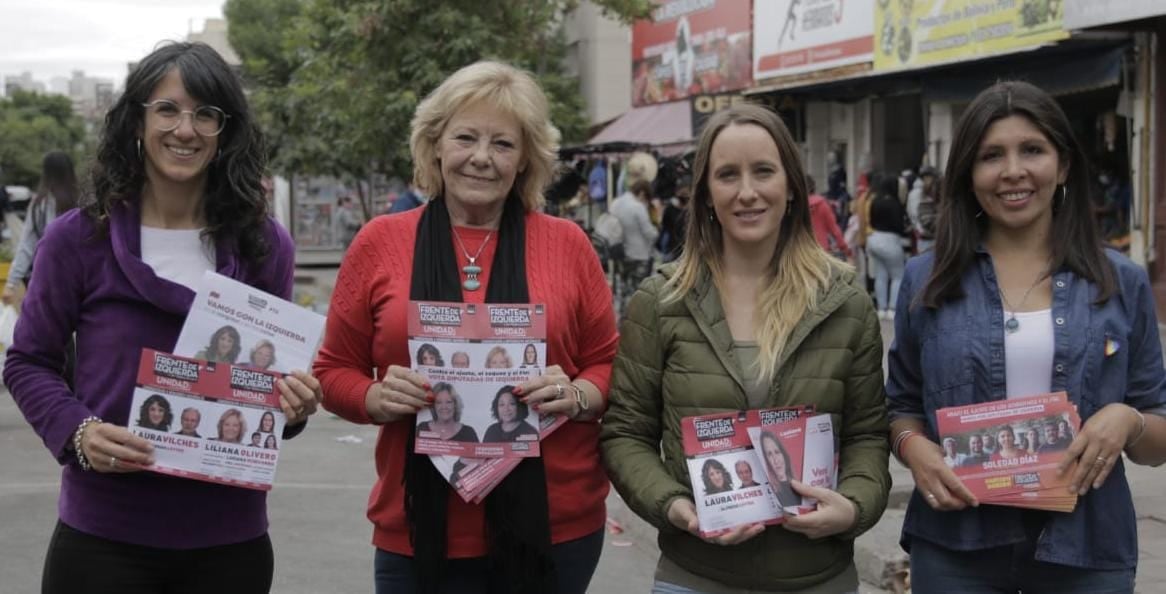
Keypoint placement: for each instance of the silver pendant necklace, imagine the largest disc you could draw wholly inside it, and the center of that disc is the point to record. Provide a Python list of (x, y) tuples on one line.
[(471, 270), (1012, 325)]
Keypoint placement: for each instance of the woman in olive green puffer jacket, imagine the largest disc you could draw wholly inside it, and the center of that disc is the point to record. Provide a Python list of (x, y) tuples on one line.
[(754, 315)]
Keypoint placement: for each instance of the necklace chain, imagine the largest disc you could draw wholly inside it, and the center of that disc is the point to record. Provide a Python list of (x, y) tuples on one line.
[(471, 270), (1012, 325), (466, 252)]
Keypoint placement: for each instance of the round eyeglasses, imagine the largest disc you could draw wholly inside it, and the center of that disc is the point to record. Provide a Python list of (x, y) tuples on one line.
[(207, 120)]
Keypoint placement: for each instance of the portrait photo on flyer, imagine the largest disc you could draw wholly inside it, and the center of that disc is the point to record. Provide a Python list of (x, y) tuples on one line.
[(728, 484), (477, 414), (1007, 452), (209, 422), (231, 322)]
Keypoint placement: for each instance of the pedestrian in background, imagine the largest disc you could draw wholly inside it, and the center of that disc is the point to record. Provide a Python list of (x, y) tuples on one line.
[(57, 193), (632, 209), (825, 223), (888, 223), (727, 327), (176, 193), (1019, 298), (484, 148)]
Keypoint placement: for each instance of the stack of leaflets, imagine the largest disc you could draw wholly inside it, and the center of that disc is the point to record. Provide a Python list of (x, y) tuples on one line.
[(1007, 451), (474, 356), (741, 465), (212, 409)]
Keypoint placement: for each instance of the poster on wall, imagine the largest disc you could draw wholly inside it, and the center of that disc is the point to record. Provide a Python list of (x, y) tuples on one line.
[(797, 36), (914, 33), (690, 47)]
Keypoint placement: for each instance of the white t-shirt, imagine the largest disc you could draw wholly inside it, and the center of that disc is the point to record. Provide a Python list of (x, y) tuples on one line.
[(177, 255), (1028, 354)]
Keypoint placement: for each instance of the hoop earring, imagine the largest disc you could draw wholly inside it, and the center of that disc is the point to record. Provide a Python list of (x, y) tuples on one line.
[(980, 214), (139, 143), (1064, 196)]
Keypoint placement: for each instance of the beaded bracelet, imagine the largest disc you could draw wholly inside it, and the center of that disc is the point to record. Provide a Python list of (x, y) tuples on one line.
[(78, 435)]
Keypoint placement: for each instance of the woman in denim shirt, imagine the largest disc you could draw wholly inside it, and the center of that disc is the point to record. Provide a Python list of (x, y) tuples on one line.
[(1019, 298)]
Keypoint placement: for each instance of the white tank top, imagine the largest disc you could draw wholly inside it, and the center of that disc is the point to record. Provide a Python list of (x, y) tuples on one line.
[(1028, 354), (177, 255)]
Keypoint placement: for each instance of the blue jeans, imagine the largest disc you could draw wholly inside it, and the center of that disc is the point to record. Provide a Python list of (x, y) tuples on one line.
[(888, 260), (575, 562), (1007, 569)]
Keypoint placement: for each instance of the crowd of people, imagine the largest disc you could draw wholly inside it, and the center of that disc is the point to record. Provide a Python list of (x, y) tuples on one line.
[(1012, 295)]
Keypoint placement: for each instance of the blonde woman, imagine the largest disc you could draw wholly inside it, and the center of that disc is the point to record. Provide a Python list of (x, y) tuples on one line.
[(754, 315), (498, 358), (483, 147)]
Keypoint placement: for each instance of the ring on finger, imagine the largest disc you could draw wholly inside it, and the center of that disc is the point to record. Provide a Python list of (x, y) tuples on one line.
[(558, 391), (113, 461), (931, 497), (1102, 460)]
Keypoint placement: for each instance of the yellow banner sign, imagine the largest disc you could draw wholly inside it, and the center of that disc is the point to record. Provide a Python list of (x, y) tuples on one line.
[(914, 33)]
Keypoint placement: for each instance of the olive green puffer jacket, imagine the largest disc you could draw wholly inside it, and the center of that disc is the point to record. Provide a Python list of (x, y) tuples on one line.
[(675, 361)]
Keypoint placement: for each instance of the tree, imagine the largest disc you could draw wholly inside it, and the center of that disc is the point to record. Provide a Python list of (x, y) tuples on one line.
[(31, 125), (339, 87)]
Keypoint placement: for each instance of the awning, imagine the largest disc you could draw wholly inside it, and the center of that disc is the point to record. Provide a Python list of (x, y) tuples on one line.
[(1058, 75), (656, 125)]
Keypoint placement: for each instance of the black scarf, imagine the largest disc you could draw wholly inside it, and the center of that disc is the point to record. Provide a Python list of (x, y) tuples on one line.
[(517, 516)]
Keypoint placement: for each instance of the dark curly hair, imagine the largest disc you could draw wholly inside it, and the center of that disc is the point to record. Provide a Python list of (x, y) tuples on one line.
[(520, 409), (235, 207), (144, 413)]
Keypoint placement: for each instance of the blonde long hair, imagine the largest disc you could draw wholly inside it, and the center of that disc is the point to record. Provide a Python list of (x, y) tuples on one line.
[(800, 268)]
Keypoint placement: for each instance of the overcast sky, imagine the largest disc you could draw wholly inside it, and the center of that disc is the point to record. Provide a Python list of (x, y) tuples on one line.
[(54, 37)]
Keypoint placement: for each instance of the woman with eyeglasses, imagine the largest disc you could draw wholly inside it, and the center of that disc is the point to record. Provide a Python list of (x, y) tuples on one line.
[(176, 193)]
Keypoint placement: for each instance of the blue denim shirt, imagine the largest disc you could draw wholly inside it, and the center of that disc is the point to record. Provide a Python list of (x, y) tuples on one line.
[(954, 355)]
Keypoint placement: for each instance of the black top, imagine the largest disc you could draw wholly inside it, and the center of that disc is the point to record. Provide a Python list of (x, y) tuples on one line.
[(494, 433), (888, 214), (466, 433)]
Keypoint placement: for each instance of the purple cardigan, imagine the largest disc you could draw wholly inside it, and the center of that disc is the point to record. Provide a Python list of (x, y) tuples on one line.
[(101, 289)]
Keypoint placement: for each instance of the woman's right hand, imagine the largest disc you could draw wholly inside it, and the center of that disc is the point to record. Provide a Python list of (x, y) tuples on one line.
[(682, 514), (110, 448), (403, 392), (935, 480), (11, 296)]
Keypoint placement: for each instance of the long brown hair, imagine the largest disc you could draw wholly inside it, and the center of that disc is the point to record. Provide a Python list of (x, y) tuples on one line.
[(58, 183), (800, 268), (960, 226)]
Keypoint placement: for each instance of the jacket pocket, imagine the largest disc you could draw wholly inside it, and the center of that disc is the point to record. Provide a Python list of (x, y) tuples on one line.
[(1107, 371)]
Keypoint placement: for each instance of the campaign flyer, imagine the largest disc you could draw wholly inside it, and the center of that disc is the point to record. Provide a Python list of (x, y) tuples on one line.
[(208, 421), (1007, 451), (728, 484), (795, 448), (478, 335), (474, 478), (474, 356), (231, 322)]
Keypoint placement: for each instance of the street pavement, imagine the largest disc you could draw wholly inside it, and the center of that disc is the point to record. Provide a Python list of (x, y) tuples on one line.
[(322, 538)]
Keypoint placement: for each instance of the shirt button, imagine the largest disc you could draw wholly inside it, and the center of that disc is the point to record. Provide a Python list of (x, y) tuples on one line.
[(1060, 284), (1060, 321), (1060, 368), (995, 354)]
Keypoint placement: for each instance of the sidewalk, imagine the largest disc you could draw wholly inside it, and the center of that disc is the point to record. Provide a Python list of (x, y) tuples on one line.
[(321, 535)]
